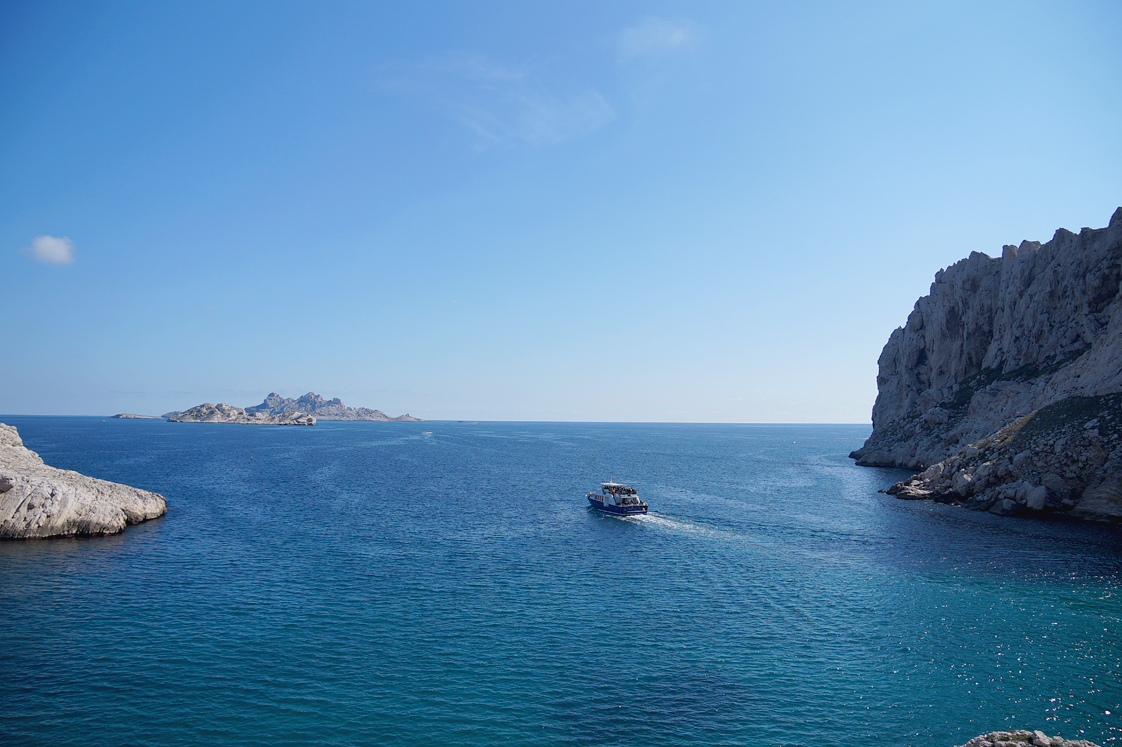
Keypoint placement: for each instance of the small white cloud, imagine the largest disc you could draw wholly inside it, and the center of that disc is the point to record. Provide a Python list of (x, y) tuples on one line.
[(654, 36), (51, 250)]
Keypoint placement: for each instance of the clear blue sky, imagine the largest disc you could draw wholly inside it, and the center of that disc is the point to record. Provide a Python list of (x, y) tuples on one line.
[(624, 211)]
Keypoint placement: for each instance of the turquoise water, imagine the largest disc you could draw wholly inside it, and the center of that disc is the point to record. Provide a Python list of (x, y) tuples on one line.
[(444, 583)]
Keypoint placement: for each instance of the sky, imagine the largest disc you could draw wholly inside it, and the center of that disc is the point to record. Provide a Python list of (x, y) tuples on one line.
[(550, 211)]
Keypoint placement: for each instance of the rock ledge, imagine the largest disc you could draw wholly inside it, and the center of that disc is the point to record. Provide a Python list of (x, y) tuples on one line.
[(38, 501)]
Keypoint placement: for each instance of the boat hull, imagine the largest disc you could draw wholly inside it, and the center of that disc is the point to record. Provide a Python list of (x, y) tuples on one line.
[(608, 508)]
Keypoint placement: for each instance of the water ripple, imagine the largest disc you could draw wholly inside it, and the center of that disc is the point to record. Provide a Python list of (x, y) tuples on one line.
[(370, 583)]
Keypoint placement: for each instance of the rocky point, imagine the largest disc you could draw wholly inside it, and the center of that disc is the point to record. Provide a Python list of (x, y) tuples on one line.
[(38, 501)]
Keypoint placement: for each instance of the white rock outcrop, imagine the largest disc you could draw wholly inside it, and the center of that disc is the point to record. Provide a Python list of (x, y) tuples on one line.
[(37, 500), (998, 340)]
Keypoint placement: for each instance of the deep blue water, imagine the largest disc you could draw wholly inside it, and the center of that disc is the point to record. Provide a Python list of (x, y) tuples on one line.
[(373, 583)]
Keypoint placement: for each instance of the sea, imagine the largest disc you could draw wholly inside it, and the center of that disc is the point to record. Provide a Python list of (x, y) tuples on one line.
[(446, 583)]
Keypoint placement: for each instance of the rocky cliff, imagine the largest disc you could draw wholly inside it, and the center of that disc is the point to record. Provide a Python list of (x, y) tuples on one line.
[(37, 500), (323, 409), (1004, 384), (223, 413)]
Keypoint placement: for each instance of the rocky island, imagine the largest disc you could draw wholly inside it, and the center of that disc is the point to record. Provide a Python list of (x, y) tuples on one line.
[(324, 409), (278, 410), (38, 501), (223, 413), (1005, 385)]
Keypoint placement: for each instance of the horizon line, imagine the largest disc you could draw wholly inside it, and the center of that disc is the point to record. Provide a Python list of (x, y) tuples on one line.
[(478, 420)]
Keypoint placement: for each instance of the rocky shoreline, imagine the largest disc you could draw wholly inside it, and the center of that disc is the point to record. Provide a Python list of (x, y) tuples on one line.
[(39, 501), (1062, 459), (1004, 389), (1022, 738)]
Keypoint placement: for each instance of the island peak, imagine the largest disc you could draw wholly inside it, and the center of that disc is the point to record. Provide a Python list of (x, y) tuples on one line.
[(323, 409)]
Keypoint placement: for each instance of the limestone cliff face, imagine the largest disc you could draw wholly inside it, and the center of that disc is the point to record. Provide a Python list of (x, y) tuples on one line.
[(1000, 339), (37, 500), (323, 409)]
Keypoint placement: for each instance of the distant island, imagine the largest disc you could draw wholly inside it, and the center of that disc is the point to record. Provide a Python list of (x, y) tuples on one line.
[(1004, 389), (324, 409), (278, 410), (130, 416), (224, 413)]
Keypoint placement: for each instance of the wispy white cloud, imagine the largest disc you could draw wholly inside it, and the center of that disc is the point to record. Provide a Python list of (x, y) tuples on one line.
[(51, 250), (500, 105), (656, 36)]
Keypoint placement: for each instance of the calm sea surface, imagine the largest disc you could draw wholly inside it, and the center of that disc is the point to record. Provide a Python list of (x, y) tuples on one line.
[(445, 584)]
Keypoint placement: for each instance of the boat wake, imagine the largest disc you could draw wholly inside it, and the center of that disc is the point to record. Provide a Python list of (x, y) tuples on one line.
[(744, 542), (676, 526)]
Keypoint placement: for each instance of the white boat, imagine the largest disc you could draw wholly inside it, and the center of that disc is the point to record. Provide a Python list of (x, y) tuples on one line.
[(616, 498)]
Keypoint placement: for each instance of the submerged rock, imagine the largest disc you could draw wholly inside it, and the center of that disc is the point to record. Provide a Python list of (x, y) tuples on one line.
[(1005, 386), (37, 500)]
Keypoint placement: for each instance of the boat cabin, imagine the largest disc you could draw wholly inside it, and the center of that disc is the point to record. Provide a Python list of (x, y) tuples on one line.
[(621, 495)]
